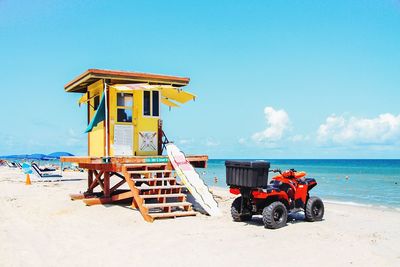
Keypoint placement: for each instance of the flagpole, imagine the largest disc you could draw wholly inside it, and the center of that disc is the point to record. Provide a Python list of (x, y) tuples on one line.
[(106, 118)]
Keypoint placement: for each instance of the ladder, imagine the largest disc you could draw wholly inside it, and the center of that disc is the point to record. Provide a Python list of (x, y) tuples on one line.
[(156, 193)]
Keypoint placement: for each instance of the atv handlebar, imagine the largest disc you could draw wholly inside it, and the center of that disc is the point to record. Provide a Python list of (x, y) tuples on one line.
[(280, 171), (276, 170)]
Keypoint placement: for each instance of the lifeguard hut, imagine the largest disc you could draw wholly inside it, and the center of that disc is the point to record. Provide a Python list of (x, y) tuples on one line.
[(125, 141)]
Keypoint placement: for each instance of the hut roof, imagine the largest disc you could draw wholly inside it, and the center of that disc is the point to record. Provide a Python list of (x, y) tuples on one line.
[(80, 83)]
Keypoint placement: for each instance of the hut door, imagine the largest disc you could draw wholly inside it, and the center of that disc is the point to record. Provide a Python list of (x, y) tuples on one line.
[(123, 127)]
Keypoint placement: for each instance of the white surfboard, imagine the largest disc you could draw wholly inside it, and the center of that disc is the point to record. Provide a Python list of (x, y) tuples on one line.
[(192, 180)]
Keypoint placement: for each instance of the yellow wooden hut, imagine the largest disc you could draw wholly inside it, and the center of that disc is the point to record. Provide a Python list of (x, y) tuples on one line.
[(125, 141), (124, 115)]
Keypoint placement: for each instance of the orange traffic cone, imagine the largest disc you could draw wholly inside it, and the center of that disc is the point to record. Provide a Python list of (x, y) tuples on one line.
[(28, 179)]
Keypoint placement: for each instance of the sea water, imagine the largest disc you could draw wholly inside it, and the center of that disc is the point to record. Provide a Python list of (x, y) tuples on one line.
[(362, 182), (369, 182)]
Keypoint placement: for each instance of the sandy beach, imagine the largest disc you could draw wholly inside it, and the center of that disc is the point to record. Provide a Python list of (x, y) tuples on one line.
[(40, 226)]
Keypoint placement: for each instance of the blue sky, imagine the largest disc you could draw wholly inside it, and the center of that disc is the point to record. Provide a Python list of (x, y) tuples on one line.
[(274, 79)]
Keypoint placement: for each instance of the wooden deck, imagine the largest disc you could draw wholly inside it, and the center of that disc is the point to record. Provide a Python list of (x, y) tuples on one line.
[(198, 161), (153, 187)]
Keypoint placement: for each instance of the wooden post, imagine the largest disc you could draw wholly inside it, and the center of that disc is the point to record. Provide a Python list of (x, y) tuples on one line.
[(160, 138), (90, 181), (106, 181), (106, 118), (88, 121)]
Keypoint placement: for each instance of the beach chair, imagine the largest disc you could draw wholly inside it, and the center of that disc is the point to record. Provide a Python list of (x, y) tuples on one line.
[(18, 165), (45, 173), (11, 164), (42, 169)]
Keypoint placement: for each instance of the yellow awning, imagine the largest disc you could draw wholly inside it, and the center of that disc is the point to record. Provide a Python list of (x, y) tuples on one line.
[(169, 103), (83, 99), (128, 87), (176, 94), (168, 92)]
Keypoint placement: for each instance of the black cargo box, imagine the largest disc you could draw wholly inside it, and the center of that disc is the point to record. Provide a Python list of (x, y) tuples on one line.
[(247, 173)]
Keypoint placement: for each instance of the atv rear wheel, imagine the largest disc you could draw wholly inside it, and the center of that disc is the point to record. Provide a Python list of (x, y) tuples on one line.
[(275, 215), (314, 209), (236, 209)]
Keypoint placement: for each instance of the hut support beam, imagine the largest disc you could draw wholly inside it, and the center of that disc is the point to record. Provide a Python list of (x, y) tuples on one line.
[(153, 188)]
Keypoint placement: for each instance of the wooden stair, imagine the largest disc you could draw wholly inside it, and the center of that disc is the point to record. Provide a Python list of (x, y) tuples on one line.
[(155, 191), (164, 195)]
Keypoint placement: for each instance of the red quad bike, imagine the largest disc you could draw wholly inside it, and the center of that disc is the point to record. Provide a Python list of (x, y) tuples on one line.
[(288, 192)]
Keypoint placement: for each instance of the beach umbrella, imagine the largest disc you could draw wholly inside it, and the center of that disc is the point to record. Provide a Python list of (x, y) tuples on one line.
[(58, 155), (36, 156), (21, 157), (24, 156), (6, 157)]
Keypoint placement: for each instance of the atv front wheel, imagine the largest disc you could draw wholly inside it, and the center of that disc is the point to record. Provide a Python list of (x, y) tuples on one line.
[(314, 209), (236, 209), (275, 215)]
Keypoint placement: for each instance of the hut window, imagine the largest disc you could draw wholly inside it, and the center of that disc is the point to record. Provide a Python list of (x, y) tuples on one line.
[(96, 101), (124, 115), (124, 107), (124, 100), (156, 104), (146, 103), (151, 103)]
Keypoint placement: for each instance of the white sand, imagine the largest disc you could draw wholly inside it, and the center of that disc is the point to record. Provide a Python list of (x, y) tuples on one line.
[(40, 226)]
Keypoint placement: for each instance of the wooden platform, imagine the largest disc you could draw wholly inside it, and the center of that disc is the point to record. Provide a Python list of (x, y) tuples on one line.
[(153, 187)]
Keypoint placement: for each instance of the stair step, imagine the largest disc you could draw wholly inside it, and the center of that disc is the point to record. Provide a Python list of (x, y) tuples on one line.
[(162, 195), (164, 205), (153, 179), (172, 214), (141, 165), (151, 171), (161, 187)]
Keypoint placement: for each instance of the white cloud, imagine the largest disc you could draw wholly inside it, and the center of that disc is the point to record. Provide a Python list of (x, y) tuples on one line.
[(382, 130), (74, 139), (185, 141), (212, 143), (277, 123), (299, 138), (8, 142), (242, 141)]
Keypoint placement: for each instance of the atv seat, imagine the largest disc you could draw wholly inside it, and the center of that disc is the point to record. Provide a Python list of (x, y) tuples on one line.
[(270, 188)]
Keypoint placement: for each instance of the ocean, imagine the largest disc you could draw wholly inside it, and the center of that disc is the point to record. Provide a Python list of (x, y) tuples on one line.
[(369, 182)]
